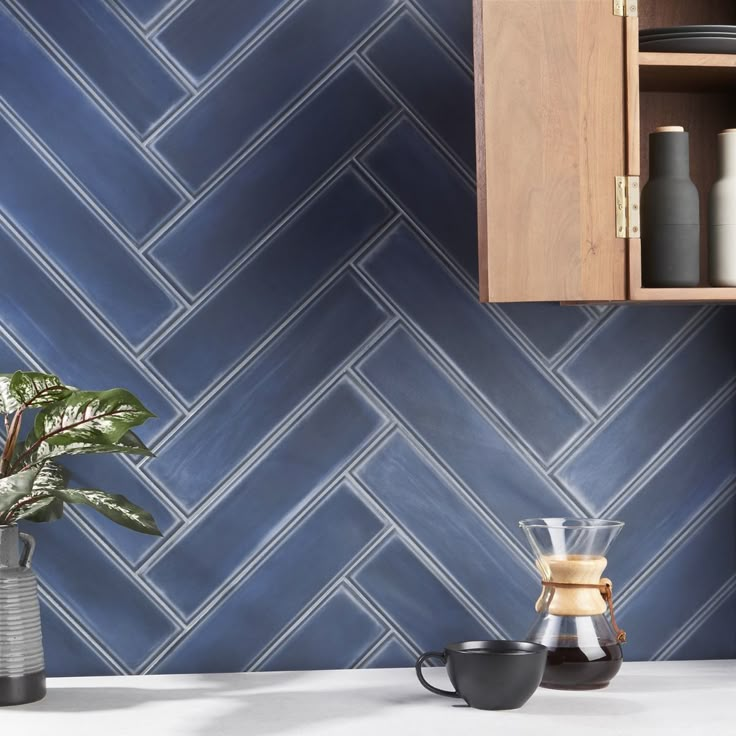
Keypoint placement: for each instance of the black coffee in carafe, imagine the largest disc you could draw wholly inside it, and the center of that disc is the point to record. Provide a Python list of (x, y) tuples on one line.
[(573, 668)]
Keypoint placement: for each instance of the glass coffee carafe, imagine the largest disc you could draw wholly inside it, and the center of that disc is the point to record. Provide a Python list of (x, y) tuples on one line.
[(584, 647)]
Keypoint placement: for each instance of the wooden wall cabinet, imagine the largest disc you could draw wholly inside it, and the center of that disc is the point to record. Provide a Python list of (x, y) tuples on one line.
[(565, 103)]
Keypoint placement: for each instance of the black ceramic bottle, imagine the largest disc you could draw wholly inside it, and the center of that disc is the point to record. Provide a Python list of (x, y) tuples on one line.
[(670, 213)]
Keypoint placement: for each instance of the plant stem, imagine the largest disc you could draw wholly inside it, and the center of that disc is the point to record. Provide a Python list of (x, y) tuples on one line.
[(10, 442), (7, 517)]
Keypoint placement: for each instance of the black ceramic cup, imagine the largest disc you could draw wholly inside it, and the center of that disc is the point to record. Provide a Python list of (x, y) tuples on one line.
[(490, 675)]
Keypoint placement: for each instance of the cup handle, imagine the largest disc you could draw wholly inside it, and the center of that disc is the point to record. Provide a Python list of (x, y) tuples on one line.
[(29, 544), (418, 667)]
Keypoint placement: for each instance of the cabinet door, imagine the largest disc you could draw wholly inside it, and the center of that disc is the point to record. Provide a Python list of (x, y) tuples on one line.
[(550, 118)]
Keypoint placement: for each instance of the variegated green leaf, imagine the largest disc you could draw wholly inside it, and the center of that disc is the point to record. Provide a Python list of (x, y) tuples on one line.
[(116, 507), (49, 477), (8, 402), (128, 445), (15, 488), (37, 389), (85, 421), (42, 509)]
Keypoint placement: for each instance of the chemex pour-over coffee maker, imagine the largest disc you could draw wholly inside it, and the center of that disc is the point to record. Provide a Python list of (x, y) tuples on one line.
[(584, 649)]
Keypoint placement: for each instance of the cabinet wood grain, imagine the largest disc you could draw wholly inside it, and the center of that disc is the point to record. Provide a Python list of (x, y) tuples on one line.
[(550, 97)]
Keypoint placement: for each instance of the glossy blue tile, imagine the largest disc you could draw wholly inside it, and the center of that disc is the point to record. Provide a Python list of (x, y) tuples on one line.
[(205, 34), (291, 576), (295, 54), (715, 636), (265, 393), (404, 376), (416, 281), (316, 242), (601, 369), (144, 11), (63, 645), (700, 566), (391, 653), (450, 530), (677, 493), (103, 599), (112, 57), (68, 233), (455, 19), (396, 581), (550, 327), (479, 410), (115, 475), (10, 359), (41, 315), (333, 637), (226, 224), (266, 498), (106, 163), (430, 81), (622, 446), (427, 187)]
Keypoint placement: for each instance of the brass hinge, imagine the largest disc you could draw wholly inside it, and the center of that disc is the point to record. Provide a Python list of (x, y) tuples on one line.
[(627, 207), (626, 8)]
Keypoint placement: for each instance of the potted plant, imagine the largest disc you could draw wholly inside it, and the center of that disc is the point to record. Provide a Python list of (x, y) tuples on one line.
[(33, 487)]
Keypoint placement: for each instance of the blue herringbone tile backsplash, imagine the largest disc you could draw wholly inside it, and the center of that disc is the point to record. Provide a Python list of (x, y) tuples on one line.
[(259, 215)]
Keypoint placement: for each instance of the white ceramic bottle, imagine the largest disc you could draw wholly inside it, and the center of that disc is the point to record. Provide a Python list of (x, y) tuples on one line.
[(722, 215)]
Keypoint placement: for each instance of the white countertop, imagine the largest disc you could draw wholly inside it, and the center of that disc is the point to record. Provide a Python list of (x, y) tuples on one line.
[(668, 698)]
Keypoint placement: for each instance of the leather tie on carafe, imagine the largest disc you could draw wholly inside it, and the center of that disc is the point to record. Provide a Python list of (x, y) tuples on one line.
[(606, 591)]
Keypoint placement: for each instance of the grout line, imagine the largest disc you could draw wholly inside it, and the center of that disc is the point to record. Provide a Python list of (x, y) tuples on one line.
[(212, 504), (461, 279), (676, 443), (459, 166), (165, 16), (446, 473), (295, 414), (692, 527), (368, 603), (220, 596), (325, 593), (444, 575), (60, 278), (85, 198), (168, 63), (479, 402), (115, 116), (343, 166), (292, 416), (612, 411), (373, 649), (320, 289), (232, 57), (112, 338), (696, 621), (114, 558), (303, 200), (439, 35), (221, 384), (71, 619), (140, 28), (267, 129), (650, 368)]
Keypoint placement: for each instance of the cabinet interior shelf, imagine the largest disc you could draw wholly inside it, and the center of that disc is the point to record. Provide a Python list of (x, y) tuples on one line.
[(639, 293), (677, 72)]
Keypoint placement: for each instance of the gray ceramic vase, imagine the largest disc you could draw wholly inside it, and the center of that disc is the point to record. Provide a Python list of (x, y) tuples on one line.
[(22, 675), (670, 213)]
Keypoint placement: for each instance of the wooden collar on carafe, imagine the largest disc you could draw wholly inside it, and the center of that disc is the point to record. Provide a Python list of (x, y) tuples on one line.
[(606, 590)]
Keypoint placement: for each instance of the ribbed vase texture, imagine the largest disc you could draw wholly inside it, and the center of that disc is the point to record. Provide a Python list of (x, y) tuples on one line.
[(22, 676)]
